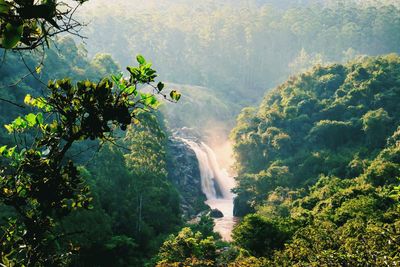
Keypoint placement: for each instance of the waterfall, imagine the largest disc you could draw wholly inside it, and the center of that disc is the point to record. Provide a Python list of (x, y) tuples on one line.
[(223, 179), (215, 182)]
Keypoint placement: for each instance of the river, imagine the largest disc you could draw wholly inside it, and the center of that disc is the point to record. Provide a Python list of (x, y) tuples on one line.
[(216, 183)]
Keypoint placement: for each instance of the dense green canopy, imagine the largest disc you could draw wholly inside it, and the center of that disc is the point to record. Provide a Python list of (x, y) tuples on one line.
[(320, 159)]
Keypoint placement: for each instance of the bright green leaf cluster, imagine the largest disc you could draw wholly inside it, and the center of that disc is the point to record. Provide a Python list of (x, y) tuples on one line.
[(38, 102), (143, 73), (175, 95), (20, 124)]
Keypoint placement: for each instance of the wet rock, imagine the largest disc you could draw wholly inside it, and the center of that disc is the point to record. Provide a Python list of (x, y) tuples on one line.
[(218, 191), (184, 173), (216, 213), (241, 208)]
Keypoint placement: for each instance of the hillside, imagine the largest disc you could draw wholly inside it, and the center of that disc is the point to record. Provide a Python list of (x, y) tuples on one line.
[(318, 163)]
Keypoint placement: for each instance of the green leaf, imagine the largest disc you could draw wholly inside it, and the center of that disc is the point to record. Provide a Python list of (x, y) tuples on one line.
[(19, 188), (10, 152), (2, 149), (160, 86), (133, 71), (75, 129), (150, 100), (131, 89), (12, 35), (27, 99), (31, 119), (39, 118), (175, 95), (117, 77), (4, 7), (38, 69), (19, 123), (140, 59), (9, 128), (41, 103)]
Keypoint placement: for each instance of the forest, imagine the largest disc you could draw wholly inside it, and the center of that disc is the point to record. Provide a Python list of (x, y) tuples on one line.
[(199, 133)]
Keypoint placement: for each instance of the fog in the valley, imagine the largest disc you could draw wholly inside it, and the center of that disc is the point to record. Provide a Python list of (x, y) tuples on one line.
[(237, 49)]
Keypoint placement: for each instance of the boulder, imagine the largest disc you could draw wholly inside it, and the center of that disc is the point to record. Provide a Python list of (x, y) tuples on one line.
[(216, 213)]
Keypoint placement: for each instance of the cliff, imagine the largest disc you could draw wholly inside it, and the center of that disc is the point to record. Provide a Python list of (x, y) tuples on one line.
[(184, 173)]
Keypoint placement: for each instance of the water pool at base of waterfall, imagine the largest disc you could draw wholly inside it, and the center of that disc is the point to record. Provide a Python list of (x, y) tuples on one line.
[(224, 225)]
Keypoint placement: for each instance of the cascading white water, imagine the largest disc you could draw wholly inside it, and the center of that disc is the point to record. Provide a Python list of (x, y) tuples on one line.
[(216, 184), (224, 180), (207, 171)]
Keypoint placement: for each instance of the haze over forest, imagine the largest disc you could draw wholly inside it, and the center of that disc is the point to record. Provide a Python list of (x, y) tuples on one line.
[(240, 49)]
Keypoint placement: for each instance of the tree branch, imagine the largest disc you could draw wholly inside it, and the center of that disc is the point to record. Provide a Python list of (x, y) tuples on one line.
[(11, 102)]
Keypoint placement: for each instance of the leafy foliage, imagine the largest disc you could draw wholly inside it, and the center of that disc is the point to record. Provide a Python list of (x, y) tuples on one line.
[(38, 183), (259, 236), (326, 169), (27, 24), (131, 191), (310, 128), (188, 248)]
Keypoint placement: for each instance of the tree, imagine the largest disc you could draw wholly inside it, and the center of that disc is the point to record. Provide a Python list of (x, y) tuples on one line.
[(258, 235), (27, 24), (37, 181), (340, 199), (376, 125), (188, 248), (205, 226), (332, 134)]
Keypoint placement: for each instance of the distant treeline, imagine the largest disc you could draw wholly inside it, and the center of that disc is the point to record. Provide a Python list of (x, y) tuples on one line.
[(242, 49)]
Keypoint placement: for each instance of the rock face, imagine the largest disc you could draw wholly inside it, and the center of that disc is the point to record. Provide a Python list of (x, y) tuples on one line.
[(184, 173), (241, 208), (216, 213)]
